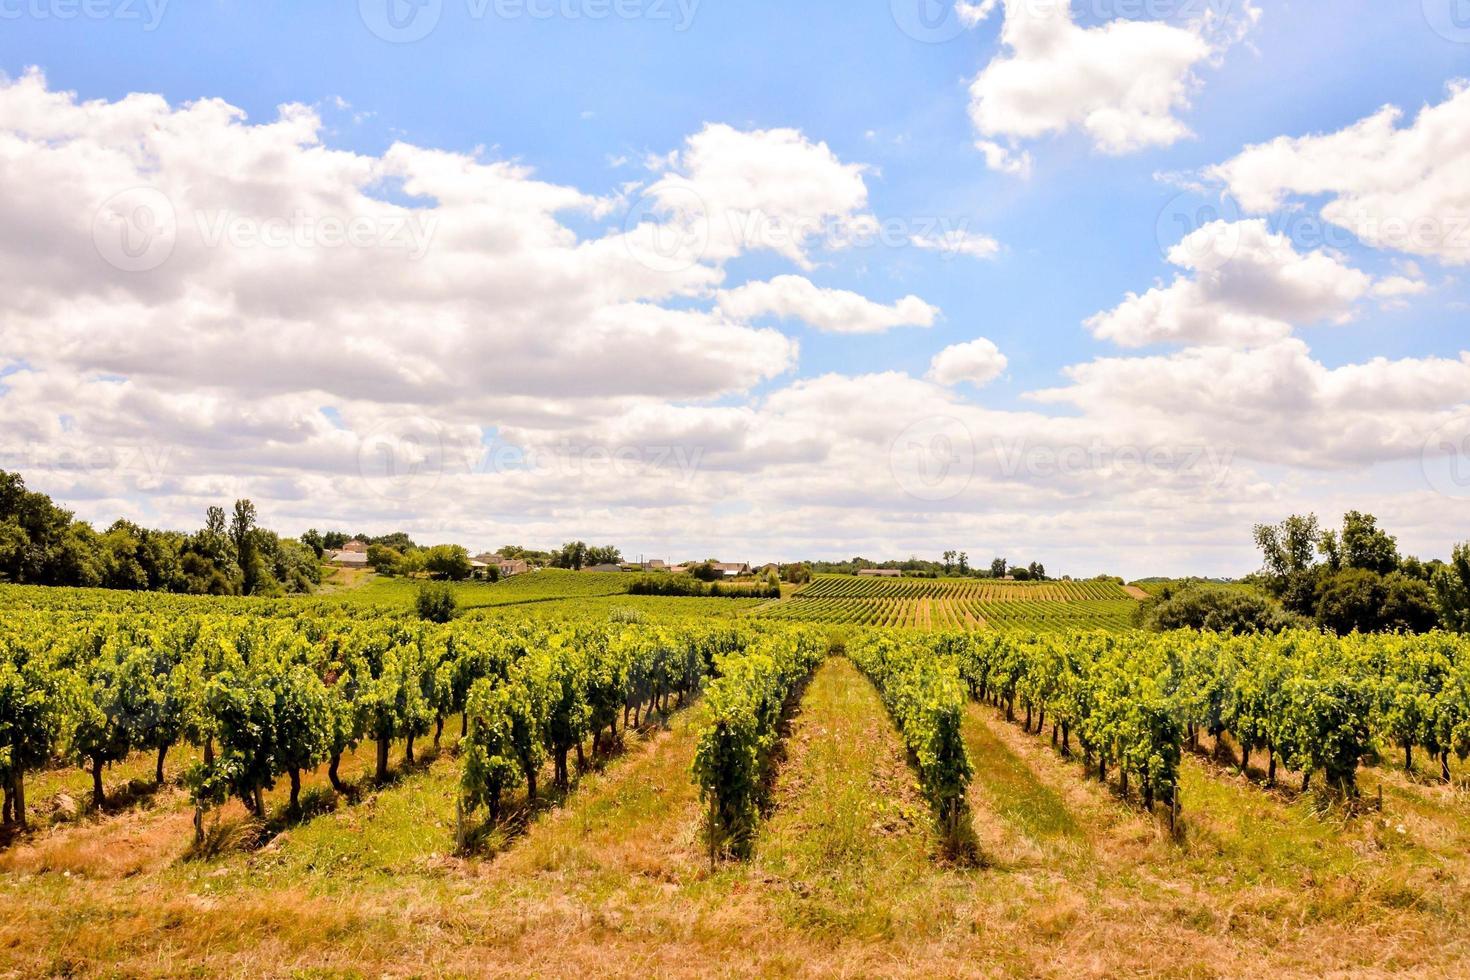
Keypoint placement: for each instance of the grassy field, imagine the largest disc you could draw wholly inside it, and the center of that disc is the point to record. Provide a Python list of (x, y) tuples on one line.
[(846, 878)]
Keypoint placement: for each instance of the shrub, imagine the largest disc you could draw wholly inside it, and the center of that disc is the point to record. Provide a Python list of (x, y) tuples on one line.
[(436, 603), (1221, 610)]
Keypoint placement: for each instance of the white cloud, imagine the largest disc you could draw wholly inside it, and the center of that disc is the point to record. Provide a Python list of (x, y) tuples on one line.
[(958, 242), (830, 310), (1248, 286), (732, 192), (978, 361), (1273, 403), (1122, 82), (1405, 188)]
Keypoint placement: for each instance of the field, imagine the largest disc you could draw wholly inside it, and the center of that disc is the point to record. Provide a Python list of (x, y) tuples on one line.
[(964, 604), (912, 817)]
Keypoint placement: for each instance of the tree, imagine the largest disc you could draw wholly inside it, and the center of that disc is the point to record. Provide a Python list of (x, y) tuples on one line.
[(949, 557), (1288, 552), (242, 536), (1038, 571), (313, 540), (1364, 546), (1452, 590), (1289, 548), (385, 560), (448, 561), (1356, 599), (603, 555), (998, 568), (572, 555)]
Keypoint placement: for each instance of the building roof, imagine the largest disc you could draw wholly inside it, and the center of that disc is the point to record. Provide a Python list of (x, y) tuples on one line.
[(345, 557)]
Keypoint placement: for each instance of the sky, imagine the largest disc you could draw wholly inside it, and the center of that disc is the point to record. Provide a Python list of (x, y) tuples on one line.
[(1100, 285)]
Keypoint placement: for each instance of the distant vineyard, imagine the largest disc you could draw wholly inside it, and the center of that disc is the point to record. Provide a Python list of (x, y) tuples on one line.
[(965, 604)]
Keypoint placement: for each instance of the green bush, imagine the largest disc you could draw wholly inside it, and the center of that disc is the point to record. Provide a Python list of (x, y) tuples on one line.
[(1215, 608), (436, 603)]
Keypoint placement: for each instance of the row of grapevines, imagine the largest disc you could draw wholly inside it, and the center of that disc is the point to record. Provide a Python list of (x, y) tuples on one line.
[(735, 748), (576, 684), (1114, 694), (1314, 703), (925, 696), (264, 699)]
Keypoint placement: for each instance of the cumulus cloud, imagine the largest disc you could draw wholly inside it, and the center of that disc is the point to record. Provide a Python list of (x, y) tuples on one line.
[(1405, 188), (1123, 82), (978, 361), (1245, 285), (830, 310), (1275, 402), (729, 191)]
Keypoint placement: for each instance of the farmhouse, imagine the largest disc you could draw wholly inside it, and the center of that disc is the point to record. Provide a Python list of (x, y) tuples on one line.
[(348, 559), (357, 546), (727, 569), (507, 566), (880, 572)]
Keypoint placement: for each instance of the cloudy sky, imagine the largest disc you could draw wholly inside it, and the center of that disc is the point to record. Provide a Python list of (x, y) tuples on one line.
[(1099, 285)]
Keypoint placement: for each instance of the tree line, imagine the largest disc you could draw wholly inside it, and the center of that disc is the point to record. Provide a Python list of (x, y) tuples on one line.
[(42, 544)]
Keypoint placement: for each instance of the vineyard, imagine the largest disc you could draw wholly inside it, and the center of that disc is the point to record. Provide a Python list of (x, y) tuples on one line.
[(199, 780), (957, 604)]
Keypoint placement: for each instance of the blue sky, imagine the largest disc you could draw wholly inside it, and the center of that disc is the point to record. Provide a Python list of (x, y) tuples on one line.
[(585, 101)]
